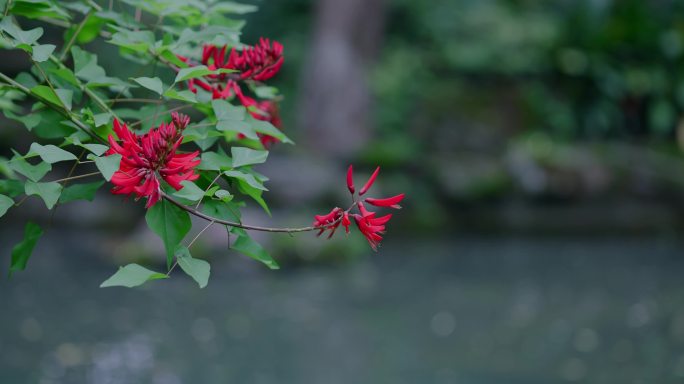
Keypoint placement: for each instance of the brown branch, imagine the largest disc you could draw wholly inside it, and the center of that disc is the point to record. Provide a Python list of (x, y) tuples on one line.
[(199, 214)]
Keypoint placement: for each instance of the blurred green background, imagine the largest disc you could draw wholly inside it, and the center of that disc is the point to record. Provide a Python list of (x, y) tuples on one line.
[(540, 147)]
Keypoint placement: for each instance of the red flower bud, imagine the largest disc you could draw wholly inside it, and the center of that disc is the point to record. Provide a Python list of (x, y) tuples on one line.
[(370, 182), (350, 179)]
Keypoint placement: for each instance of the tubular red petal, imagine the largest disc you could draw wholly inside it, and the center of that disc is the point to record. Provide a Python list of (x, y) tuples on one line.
[(392, 202), (350, 179), (370, 182)]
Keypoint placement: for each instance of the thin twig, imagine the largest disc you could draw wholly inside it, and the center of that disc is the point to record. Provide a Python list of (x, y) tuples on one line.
[(73, 37), (199, 214), (190, 245)]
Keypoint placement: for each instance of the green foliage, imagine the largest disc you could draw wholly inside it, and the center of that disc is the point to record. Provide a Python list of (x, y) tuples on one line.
[(85, 191), (245, 156), (49, 192), (69, 97), (132, 275), (245, 245), (22, 251), (170, 223), (197, 269), (5, 204)]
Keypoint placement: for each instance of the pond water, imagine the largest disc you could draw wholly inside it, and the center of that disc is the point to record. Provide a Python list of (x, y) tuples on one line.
[(480, 310)]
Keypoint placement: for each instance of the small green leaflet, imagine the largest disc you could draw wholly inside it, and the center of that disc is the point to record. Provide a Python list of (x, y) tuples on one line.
[(247, 178), (22, 37), (170, 223), (212, 161), (42, 52), (154, 84), (131, 276), (80, 192), (198, 71), (49, 192), (181, 95), (107, 164), (190, 191), (245, 156), (224, 195), (198, 269), (22, 251), (59, 97), (32, 172), (50, 153), (5, 204), (221, 210), (245, 245)]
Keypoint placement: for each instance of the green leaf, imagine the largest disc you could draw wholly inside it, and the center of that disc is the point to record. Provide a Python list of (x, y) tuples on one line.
[(49, 192), (221, 210), (245, 156), (59, 97), (32, 172), (170, 223), (12, 188), (181, 95), (247, 178), (189, 191), (198, 71), (154, 84), (80, 192), (96, 149), (50, 153), (132, 275), (224, 195), (197, 269), (245, 245), (22, 37), (212, 161), (5, 204), (254, 194), (266, 128), (30, 120), (107, 164), (42, 52), (22, 251)]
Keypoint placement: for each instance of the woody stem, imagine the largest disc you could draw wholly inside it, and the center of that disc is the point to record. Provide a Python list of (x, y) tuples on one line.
[(199, 214)]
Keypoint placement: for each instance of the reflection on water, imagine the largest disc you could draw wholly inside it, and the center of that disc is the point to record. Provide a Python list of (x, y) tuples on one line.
[(476, 310)]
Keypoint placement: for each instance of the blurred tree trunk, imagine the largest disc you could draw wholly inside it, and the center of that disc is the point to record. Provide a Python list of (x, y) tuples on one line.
[(336, 101)]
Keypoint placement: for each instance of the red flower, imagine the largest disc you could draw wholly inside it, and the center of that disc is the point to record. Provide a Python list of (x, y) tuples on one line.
[(325, 221), (146, 158), (370, 226)]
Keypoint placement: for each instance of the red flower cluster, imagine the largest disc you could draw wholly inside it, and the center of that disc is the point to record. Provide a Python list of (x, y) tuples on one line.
[(145, 158), (371, 227), (259, 63)]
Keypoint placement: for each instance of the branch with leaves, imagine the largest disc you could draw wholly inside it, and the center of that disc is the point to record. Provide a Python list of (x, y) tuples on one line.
[(131, 134)]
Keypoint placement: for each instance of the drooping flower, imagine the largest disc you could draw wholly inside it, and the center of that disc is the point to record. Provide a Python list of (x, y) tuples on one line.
[(372, 228), (328, 222), (147, 158)]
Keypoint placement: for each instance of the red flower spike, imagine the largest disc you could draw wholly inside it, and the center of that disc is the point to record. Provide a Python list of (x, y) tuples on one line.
[(390, 202), (350, 179), (370, 182), (146, 158), (326, 221)]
